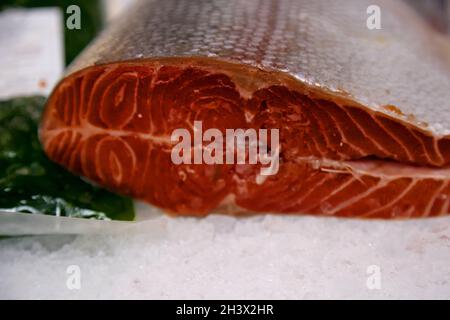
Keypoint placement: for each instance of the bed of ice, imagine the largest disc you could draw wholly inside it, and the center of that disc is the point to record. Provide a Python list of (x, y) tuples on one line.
[(263, 257)]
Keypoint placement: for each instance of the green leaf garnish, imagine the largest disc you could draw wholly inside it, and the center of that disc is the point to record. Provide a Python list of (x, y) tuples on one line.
[(31, 183)]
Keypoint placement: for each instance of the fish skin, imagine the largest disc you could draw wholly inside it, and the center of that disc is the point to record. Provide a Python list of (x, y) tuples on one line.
[(321, 51), (323, 43)]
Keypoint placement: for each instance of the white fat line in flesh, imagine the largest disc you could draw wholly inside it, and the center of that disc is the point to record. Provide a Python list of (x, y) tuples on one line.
[(154, 78), (343, 139), (425, 151), (316, 145), (89, 130), (437, 150), (354, 167), (437, 193), (363, 131), (445, 207), (345, 204), (339, 189), (345, 170), (395, 138), (326, 136), (318, 184), (331, 193), (392, 202), (375, 168)]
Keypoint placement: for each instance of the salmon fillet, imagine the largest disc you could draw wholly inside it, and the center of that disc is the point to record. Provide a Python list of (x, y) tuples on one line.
[(363, 115)]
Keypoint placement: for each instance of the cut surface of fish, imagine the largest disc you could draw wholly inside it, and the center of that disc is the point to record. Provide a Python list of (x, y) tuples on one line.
[(363, 115)]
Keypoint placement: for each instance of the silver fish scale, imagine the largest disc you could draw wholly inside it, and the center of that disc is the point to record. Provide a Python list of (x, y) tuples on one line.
[(324, 43)]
